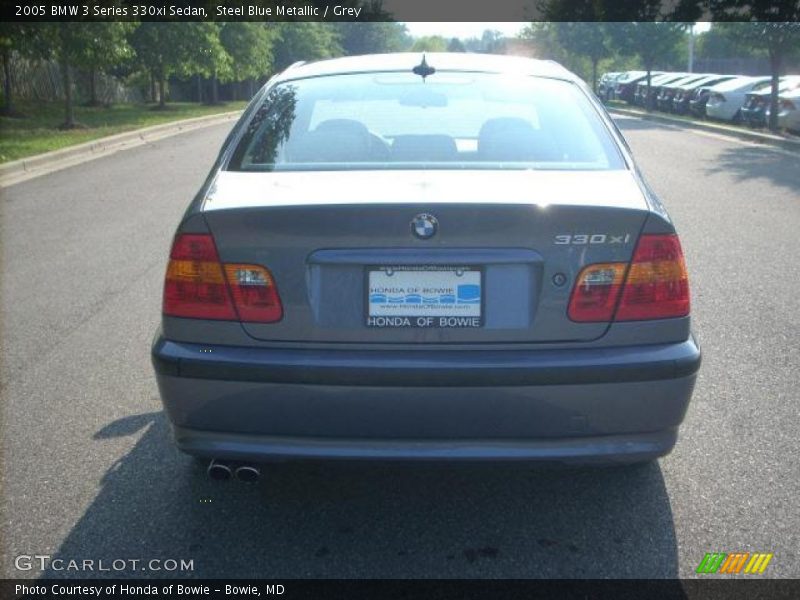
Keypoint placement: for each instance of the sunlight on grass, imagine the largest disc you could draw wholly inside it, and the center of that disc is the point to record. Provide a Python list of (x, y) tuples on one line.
[(38, 132)]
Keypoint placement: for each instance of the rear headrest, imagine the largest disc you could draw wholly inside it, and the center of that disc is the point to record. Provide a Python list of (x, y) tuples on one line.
[(343, 126), (514, 139), (329, 146), (415, 148)]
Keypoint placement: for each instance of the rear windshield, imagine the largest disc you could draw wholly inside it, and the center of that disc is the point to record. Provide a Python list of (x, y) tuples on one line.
[(449, 120)]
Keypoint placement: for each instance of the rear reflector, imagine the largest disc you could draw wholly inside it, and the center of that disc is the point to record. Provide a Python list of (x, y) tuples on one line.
[(656, 285), (199, 286)]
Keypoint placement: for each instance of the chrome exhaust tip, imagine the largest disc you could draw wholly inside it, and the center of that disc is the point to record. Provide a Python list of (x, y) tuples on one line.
[(248, 473), (219, 471)]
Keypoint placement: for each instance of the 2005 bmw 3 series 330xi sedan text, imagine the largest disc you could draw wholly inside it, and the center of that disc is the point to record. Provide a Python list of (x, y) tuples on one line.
[(449, 257)]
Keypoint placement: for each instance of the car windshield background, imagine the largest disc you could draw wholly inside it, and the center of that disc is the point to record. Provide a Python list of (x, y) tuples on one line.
[(450, 120)]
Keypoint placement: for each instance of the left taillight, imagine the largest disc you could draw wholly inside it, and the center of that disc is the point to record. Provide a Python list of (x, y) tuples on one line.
[(654, 286), (199, 286), (657, 284)]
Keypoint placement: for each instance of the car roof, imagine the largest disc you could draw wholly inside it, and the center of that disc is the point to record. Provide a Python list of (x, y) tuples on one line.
[(795, 93), (738, 82), (444, 61), (703, 81), (689, 78)]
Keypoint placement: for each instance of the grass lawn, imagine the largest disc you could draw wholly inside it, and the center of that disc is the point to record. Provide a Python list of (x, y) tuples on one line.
[(38, 132)]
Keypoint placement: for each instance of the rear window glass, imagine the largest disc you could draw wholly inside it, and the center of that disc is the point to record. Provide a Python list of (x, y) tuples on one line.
[(449, 120)]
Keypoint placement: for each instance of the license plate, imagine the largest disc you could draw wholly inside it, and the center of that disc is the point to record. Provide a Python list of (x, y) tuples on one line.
[(424, 296)]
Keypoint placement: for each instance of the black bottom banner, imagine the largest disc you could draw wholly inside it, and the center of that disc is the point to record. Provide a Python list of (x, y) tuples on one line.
[(389, 589)]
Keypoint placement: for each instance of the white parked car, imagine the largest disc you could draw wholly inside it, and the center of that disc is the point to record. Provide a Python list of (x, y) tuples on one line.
[(788, 110), (725, 99)]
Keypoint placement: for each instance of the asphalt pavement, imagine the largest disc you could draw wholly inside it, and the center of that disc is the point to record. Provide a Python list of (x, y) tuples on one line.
[(90, 472)]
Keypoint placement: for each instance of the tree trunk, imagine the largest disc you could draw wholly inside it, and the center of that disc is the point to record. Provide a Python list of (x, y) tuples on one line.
[(594, 74), (152, 87), (93, 87), (214, 90), (69, 112), (251, 85), (775, 66), (199, 89), (162, 95), (8, 105)]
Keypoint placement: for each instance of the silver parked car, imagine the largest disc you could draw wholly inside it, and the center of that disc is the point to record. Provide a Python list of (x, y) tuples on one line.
[(449, 256)]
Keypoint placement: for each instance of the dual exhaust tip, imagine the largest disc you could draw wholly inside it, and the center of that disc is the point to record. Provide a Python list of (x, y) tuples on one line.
[(223, 471)]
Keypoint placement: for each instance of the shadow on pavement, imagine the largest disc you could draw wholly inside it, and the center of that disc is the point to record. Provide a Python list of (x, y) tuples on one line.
[(369, 520), (752, 163)]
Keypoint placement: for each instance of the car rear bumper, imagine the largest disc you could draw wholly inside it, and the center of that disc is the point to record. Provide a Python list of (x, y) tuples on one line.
[(586, 405)]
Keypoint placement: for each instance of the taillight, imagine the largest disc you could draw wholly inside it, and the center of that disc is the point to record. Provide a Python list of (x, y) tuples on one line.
[(254, 293), (195, 284), (596, 291), (656, 285), (199, 286)]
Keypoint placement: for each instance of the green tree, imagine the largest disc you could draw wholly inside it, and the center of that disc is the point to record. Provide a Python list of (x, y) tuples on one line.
[(372, 37), (106, 47), (161, 48), (249, 45), (652, 42), (493, 42), (205, 55), (69, 44), (305, 40), (455, 45), (14, 37), (587, 39), (429, 43), (771, 26)]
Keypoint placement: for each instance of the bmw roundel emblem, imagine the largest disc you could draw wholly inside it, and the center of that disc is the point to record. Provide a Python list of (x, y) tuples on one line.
[(424, 226)]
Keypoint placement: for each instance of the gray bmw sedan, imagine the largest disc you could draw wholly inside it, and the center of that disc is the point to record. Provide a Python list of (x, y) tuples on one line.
[(441, 257)]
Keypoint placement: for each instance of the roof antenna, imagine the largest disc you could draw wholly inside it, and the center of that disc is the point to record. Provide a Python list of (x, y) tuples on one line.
[(423, 69)]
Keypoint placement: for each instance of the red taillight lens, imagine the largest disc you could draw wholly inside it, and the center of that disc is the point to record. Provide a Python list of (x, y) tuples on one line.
[(657, 285), (596, 291), (254, 293), (199, 286), (195, 285)]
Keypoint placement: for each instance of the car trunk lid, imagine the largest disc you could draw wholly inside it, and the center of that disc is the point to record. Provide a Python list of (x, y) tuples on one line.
[(516, 238)]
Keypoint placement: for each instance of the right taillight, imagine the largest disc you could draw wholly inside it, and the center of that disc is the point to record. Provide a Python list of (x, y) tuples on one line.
[(656, 285), (199, 286)]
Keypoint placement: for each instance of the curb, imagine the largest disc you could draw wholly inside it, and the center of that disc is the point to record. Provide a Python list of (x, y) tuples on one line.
[(34, 166), (752, 136)]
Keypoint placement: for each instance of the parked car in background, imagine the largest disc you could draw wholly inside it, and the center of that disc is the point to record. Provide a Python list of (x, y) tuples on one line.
[(754, 109), (788, 113), (680, 102), (605, 87), (738, 86), (640, 96), (668, 91), (725, 101), (626, 85)]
